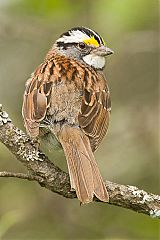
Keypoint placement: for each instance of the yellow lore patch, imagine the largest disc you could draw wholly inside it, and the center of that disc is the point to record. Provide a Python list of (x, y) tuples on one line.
[(91, 41)]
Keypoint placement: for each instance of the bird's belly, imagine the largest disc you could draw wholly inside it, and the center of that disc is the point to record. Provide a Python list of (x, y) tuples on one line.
[(65, 103)]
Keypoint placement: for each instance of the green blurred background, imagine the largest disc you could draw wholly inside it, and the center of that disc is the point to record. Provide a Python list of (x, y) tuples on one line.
[(129, 153)]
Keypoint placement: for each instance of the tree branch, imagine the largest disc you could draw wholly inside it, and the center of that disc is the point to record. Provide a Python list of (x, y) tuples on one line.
[(43, 171)]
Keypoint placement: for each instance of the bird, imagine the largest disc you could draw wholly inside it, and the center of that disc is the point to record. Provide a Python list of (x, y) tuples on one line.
[(67, 98)]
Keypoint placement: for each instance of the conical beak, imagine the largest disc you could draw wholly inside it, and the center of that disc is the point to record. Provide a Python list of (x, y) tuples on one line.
[(103, 51)]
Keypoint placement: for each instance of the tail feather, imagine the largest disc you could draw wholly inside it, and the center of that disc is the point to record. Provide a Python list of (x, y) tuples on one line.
[(84, 174), (100, 190), (81, 180)]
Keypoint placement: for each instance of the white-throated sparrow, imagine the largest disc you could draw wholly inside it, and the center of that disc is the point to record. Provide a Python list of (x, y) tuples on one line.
[(68, 96)]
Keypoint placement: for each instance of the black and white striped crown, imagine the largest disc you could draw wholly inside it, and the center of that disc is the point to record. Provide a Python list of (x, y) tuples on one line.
[(81, 34)]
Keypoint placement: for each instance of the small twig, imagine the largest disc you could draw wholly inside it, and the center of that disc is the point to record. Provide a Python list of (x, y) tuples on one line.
[(22, 176)]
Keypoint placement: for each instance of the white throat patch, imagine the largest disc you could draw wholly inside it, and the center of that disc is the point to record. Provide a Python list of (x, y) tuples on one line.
[(95, 61)]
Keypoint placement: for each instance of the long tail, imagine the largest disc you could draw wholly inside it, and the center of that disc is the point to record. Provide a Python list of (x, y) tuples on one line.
[(84, 174)]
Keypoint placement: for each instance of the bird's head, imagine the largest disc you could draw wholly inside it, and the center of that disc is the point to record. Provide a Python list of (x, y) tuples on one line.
[(85, 45)]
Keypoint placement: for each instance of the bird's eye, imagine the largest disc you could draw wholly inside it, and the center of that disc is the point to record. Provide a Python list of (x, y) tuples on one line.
[(82, 45)]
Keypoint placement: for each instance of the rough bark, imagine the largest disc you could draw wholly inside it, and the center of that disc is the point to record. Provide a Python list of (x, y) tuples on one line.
[(43, 171)]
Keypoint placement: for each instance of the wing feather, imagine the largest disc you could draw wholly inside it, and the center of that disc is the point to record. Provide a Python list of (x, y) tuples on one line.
[(95, 110), (36, 98)]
